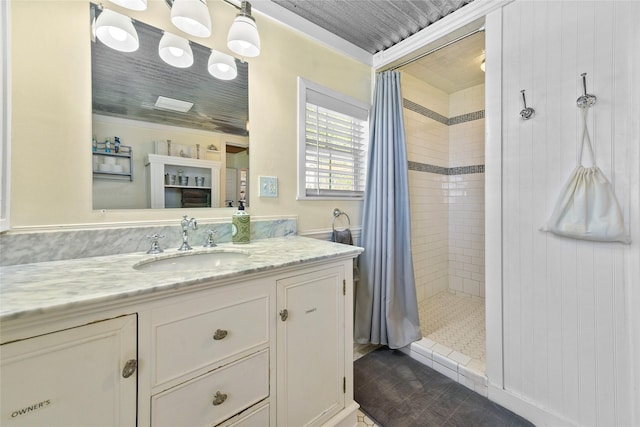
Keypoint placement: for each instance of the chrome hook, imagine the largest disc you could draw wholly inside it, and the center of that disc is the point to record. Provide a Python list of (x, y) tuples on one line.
[(527, 112), (586, 100)]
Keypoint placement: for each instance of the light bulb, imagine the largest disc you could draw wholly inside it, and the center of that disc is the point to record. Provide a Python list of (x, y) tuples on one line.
[(223, 67), (118, 33), (176, 51)]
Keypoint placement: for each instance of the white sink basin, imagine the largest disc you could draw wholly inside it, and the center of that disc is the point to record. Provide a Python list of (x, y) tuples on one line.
[(192, 262)]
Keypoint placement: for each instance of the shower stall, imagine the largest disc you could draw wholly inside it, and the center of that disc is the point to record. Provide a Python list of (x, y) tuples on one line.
[(443, 100)]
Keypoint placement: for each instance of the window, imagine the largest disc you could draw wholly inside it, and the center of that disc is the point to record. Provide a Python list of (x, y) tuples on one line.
[(333, 134)]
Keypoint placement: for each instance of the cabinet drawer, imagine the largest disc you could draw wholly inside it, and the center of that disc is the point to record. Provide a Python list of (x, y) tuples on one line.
[(184, 345), (258, 418), (237, 386)]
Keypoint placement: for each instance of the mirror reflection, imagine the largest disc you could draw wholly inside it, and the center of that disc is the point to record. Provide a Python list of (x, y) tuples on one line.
[(163, 136)]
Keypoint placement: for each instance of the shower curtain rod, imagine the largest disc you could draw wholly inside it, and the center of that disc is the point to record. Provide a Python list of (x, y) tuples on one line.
[(449, 43)]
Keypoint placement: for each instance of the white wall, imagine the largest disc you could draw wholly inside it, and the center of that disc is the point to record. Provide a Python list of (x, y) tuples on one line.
[(466, 195), (427, 143), (447, 211), (570, 318)]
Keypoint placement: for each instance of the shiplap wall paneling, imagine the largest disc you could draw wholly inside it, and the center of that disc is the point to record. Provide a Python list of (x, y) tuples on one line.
[(566, 302)]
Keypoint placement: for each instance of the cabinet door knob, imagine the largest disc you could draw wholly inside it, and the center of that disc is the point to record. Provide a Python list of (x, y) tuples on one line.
[(129, 368), (220, 334), (219, 398), (284, 314)]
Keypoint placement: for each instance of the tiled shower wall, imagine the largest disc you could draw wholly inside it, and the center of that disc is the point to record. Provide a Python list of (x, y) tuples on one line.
[(427, 144), (445, 147), (466, 191)]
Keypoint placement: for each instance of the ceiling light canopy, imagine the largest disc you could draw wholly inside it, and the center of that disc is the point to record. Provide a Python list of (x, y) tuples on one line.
[(243, 37), (175, 50), (222, 66), (116, 31), (192, 17), (132, 4)]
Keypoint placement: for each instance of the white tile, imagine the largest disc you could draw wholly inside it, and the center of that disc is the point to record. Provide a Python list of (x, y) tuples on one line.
[(482, 390), (445, 361), (472, 376), (425, 343), (445, 371), (441, 349), (420, 358), (462, 359)]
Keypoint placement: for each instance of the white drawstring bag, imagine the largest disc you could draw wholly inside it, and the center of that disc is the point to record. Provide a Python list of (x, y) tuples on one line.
[(587, 208)]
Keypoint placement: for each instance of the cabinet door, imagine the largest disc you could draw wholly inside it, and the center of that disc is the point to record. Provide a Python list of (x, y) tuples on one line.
[(310, 340), (72, 377)]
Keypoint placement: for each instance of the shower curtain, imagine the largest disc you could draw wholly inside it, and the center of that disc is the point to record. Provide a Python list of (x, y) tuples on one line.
[(386, 309)]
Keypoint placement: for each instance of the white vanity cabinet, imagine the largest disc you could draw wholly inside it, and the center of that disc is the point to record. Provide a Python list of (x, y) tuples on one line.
[(83, 376), (311, 347), (208, 353), (211, 354)]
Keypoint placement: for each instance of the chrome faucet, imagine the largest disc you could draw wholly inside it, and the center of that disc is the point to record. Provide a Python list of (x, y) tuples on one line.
[(186, 223)]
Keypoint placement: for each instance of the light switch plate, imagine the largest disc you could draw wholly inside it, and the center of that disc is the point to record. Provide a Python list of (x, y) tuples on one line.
[(268, 186)]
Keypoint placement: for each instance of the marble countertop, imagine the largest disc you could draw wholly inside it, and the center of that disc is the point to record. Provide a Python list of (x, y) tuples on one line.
[(28, 289)]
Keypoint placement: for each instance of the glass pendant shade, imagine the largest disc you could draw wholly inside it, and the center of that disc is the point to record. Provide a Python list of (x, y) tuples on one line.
[(175, 51), (132, 4), (192, 17), (222, 66), (116, 31), (243, 37)]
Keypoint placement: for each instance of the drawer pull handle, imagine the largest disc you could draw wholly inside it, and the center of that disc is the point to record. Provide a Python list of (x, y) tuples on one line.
[(219, 398), (284, 314), (129, 368), (220, 334)]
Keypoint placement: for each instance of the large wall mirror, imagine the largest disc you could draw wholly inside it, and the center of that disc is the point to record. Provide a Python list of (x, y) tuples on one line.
[(166, 137)]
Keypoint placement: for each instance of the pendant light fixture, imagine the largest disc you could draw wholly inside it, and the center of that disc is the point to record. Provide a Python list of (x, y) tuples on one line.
[(116, 31), (222, 66), (132, 4), (243, 37), (192, 17), (175, 50)]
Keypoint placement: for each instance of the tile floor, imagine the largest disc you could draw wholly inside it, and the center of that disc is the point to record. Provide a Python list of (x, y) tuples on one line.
[(453, 326), (456, 323)]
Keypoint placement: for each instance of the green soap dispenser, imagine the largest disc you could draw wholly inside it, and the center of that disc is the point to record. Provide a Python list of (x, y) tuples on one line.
[(240, 225)]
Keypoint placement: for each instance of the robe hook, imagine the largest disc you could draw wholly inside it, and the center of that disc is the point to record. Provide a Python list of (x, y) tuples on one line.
[(527, 112), (587, 100)]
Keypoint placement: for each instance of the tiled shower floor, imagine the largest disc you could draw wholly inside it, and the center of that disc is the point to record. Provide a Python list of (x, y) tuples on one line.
[(456, 325)]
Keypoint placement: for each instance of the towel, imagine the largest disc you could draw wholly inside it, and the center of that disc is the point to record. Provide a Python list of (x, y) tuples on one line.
[(343, 236)]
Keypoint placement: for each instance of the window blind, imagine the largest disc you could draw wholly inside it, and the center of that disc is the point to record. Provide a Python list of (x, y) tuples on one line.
[(335, 147)]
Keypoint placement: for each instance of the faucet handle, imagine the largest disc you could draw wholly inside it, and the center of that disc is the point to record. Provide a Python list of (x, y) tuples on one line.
[(210, 243), (155, 247)]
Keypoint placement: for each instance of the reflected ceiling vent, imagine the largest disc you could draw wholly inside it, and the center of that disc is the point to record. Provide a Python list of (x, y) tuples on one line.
[(165, 103)]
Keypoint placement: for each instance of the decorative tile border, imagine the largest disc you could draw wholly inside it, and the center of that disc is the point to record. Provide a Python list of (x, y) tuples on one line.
[(410, 105), (476, 115), (417, 108), (459, 170), (423, 167)]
